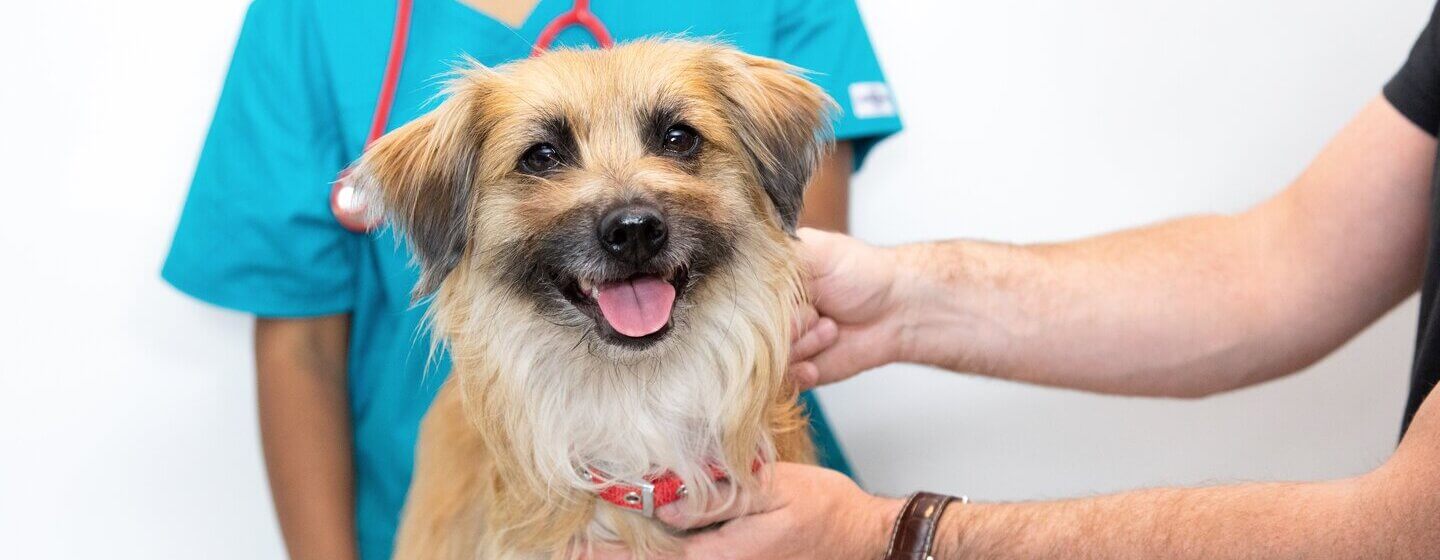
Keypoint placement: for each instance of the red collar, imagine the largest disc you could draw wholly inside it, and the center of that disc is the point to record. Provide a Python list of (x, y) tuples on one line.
[(658, 490)]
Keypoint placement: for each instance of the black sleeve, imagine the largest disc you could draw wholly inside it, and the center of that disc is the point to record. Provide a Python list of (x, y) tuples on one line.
[(1415, 89)]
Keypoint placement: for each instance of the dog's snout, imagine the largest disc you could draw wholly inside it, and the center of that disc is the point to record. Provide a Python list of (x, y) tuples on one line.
[(634, 233)]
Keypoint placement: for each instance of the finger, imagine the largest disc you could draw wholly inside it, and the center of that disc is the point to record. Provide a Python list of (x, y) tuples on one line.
[(815, 250), (805, 319), (838, 362), (804, 375), (822, 334), (834, 365), (732, 540), (682, 516)]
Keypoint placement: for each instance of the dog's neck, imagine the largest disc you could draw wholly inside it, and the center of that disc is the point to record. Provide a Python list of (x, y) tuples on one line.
[(572, 407)]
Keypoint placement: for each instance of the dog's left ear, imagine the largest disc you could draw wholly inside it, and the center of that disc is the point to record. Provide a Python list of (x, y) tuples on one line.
[(420, 177), (783, 123)]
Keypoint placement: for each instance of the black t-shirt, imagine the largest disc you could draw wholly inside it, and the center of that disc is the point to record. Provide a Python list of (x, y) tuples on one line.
[(1415, 91)]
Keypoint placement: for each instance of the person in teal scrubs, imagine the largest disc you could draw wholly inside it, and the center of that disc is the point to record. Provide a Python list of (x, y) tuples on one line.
[(343, 360)]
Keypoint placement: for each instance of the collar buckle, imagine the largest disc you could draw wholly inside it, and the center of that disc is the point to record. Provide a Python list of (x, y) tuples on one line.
[(644, 496), (635, 497)]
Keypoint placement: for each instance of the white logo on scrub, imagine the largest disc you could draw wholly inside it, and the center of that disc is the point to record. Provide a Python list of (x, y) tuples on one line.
[(871, 100)]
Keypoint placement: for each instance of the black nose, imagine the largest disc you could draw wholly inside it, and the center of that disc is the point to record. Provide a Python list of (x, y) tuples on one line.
[(633, 232)]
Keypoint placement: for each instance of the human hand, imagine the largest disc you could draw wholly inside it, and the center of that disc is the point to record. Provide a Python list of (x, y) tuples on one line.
[(803, 512), (855, 323)]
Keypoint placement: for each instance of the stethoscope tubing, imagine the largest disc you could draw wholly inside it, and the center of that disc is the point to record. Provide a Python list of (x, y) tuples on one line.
[(347, 208)]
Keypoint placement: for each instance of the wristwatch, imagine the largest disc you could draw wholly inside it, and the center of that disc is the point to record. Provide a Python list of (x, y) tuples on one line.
[(913, 537)]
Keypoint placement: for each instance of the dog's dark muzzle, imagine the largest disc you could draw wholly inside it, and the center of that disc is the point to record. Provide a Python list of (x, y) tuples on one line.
[(622, 271)]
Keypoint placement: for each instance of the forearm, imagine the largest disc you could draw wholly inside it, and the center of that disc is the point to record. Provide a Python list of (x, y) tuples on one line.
[(1391, 512), (827, 198), (1314, 520), (1196, 305), (1150, 311), (306, 434)]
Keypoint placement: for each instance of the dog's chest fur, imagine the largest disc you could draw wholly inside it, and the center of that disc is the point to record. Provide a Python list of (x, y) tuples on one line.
[(534, 406)]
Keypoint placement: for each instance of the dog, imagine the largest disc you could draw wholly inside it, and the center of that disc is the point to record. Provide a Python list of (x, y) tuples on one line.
[(608, 239)]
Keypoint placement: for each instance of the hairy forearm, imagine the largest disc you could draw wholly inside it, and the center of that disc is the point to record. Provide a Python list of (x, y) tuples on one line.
[(1195, 305), (306, 434), (1390, 512), (1174, 309), (1312, 520)]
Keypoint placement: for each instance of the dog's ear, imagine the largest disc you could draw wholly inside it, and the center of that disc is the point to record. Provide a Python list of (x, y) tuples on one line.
[(419, 177), (783, 124)]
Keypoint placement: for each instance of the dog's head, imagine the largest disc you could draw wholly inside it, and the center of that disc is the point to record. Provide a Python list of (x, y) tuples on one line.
[(607, 188)]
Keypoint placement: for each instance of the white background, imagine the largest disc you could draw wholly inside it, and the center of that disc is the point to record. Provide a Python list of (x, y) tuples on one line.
[(127, 422)]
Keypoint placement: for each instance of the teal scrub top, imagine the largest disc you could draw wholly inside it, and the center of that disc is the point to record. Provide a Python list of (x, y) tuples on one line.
[(257, 234)]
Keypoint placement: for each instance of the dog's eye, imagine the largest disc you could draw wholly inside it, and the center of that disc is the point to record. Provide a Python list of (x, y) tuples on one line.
[(680, 140), (540, 158)]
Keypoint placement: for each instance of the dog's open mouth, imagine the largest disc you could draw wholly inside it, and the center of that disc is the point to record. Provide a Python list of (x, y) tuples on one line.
[(632, 311)]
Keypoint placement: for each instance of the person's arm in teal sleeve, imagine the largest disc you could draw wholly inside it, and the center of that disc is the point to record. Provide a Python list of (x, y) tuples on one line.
[(306, 434), (827, 199), (827, 38), (256, 235)]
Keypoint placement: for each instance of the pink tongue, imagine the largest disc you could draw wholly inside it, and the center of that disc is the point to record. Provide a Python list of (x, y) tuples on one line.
[(636, 307)]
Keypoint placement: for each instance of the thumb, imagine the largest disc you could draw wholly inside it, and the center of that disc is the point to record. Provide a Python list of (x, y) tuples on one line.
[(817, 250), (679, 516)]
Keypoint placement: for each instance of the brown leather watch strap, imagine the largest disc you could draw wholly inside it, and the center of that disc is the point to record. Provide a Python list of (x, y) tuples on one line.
[(914, 532)]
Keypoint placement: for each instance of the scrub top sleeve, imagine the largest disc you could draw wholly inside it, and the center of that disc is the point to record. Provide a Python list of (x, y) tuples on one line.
[(828, 38), (256, 233)]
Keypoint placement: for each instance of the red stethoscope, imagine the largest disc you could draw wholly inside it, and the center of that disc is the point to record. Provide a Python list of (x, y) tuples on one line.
[(348, 209)]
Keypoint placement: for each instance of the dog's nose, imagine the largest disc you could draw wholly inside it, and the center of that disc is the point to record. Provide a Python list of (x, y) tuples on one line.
[(633, 232)]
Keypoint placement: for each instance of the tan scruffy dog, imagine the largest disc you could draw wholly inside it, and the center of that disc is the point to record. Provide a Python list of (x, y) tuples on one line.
[(608, 238)]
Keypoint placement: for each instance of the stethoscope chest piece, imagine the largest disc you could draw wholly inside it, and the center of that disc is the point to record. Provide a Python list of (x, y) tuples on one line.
[(348, 207)]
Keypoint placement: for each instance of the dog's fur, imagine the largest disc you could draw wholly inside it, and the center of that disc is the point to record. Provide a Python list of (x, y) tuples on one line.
[(540, 387)]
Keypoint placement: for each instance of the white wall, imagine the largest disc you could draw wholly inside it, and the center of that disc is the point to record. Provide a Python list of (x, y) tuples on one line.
[(127, 425)]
